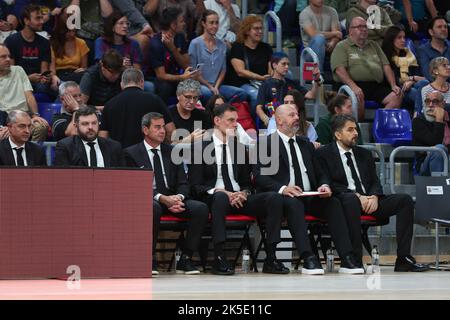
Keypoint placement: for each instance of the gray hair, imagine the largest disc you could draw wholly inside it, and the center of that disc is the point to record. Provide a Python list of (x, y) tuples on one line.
[(435, 63), (147, 118), (188, 85), (65, 85), (132, 76), (12, 116)]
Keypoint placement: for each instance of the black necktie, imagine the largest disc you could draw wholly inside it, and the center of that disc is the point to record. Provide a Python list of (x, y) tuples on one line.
[(158, 173), (296, 164), (93, 154), (20, 162), (224, 168), (354, 174)]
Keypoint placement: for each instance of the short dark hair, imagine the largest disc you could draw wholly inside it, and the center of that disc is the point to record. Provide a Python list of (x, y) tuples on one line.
[(219, 110), (337, 101), (169, 16), (112, 60), (338, 121), (84, 111), (147, 118), (26, 12), (433, 21), (277, 57)]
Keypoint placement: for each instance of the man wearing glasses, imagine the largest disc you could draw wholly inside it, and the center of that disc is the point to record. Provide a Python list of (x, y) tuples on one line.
[(361, 64), (431, 129), (186, 116)]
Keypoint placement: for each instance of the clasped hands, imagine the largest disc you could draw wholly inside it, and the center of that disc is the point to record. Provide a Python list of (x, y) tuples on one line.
[(174, 203)]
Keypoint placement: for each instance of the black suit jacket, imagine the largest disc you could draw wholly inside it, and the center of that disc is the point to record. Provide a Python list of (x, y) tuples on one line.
[(70, 151), (137, 156), (282, 177), (331, 161), (203, 176), (35, 155)]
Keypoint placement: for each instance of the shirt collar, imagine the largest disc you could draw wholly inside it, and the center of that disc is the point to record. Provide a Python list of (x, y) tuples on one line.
[(149, 147), (13, 145), (86, 142), (342, 151), (217, 141), (284, 137)]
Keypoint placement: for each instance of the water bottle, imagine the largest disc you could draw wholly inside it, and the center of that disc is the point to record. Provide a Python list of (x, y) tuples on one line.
[(177, 258), (375, 260), (330, 260), (245, 261)]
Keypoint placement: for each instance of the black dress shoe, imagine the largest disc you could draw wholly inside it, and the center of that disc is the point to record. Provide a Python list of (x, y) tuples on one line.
[(221, 267), (274, 266), (311, 265), (350, 266), (185, 266), (409, 264)]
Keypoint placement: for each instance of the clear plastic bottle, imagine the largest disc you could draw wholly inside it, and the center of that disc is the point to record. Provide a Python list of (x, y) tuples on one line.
[(330, 260), (375, 260), (245, 261), (177, 259)]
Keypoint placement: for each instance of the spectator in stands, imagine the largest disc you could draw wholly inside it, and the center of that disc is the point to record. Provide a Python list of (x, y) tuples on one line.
[(101, 82), (16, 93), (272, 90), (354, 181), (209, 53), (168, 54), (225, 185), (320, 29), (229, 18), (340, 104), (440, 72), (123, 113), (431, 129), (190, 11), (69, 53), (376, 33), (404, 64), (248, 63), (171, 191), (32, 52), (8, 21), (87, 149), (288, 11), (299, 171), (438, 46), (25, 153), (362, 65), (186, 115), (415, 14), (305, 128), (243, 137), (341, 6), (63, 124), (442, 6)]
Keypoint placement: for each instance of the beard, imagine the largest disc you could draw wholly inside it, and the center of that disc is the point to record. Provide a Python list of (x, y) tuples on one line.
[(91, 137)]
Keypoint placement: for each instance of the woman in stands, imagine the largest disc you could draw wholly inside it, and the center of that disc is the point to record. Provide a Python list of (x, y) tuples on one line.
[(440, 72), (404, 64), (244, 137), (273, 89), (248, 63), (69, 53)]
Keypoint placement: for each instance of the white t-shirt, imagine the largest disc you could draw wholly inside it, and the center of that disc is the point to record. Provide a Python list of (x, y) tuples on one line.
[(12, 90), (322, 23), (224, 19)]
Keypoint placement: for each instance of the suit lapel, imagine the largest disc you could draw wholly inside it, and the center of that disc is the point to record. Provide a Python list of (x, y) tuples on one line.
[(30, 155), (166, 162), (360, 164), (282, 148), (81, 150), (144, 156), (9, 157), (340, 165), (105, 152)]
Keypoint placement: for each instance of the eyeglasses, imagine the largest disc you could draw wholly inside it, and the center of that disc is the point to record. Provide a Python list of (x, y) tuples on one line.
[(192, 98), (257, 28), (360, 27), (433, 101)]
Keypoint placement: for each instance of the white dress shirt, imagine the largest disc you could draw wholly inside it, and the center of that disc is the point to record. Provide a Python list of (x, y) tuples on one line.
[(98, 153), (305, 178), (151, 156), (348, 172), (219, 182), (24, 154)]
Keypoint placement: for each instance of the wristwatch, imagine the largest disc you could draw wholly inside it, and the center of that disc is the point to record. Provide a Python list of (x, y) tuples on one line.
[(247, 192), (35, 114)]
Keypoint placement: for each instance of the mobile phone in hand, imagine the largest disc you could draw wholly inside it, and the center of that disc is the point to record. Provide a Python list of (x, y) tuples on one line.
[(47, 73)]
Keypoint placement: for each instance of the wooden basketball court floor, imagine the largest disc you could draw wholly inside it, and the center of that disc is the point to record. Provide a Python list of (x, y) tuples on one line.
[(253, 286)]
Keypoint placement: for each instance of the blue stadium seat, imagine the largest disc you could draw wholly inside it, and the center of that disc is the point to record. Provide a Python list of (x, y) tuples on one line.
[(410, 45), (392, 126), (42, 97), (47, 110), (371, 105)]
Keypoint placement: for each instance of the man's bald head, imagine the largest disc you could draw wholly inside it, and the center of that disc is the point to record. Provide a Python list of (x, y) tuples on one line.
[(286, 117)]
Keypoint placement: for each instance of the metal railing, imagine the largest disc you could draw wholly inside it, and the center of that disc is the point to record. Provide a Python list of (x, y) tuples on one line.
[(244, 5), (345, 89), (415, 149), (278, 29), (308, 51)]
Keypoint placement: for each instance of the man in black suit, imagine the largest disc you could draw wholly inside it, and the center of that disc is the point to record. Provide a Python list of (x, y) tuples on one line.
[(354, 181), (170, 188), (122, 115), (221, 178), (16, 150), (87, 149), (291, 170)]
